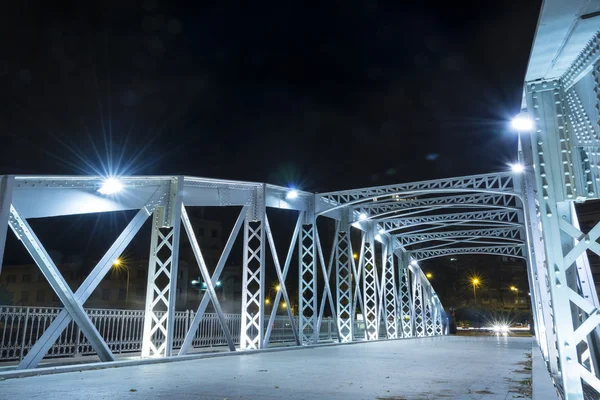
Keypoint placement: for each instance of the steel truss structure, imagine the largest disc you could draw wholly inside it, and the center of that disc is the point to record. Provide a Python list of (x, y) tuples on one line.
[(377, 281)]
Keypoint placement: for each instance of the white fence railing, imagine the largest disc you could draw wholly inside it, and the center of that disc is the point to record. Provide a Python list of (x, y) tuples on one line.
[(20, 327)]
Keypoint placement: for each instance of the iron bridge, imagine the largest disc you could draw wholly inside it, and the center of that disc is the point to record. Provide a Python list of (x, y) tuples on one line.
[(529, 215)]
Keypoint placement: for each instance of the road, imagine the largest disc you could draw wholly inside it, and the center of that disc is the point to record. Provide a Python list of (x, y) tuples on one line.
[(482, 367)]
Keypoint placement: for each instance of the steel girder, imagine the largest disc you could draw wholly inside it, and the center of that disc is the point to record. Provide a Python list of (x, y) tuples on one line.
[(509, 251), (492, 216), (507, 234), (499, 183), (463, 200)]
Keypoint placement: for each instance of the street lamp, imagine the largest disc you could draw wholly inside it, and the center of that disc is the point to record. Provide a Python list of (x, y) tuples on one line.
[(475, 282), (515, 289), (429, 275), (119, 265)]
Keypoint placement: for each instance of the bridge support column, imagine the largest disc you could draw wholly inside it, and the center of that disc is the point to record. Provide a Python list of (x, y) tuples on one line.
[(389, 292), (536, 262), (307, 295), (253, 280), (161, 292), (404, 297), (429, 313), (560, 180), (438, 315), (371, 308), (343, 279), (417, 301)]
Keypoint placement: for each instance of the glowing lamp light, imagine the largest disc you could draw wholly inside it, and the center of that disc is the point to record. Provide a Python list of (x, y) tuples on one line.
[(522, 123), (517, 168), (292, 194), (362, 216), (110, 186), (413, 263)]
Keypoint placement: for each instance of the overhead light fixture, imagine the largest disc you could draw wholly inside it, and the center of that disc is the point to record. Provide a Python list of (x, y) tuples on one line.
[(522, 123), (363, 216), (413, 263), (110, 186), (292, 194), (517, 168)]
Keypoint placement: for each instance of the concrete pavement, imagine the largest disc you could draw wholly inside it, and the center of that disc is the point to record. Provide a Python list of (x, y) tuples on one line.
[(426, 368)]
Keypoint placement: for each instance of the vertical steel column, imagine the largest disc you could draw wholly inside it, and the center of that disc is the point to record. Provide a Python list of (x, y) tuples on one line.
[(389, 293), (357, 271), (551, 165), (404, 297), (370, 287), (429, 322), (417, 301), (438, 315), (307, 280), (253, 283), (343, 274), (537, 271), (161, 292), (307, 298), (6, 187)]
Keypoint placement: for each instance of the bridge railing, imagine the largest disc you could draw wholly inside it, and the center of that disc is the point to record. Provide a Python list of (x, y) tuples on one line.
[(122, 330)]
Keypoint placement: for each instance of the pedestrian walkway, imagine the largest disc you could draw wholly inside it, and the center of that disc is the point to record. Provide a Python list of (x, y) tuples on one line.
[(451, 367)]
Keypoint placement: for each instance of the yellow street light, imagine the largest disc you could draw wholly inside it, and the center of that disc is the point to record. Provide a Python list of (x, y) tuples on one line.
[(515, 289), (119, 265), (283, 305), (355, 256), (277, 288), (267, 301), (429, 275), (475, 282)]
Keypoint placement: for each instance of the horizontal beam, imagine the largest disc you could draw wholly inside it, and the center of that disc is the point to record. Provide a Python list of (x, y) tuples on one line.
[(490, 183), (502, 216), (397, 203), (509, 251), (500, 233)]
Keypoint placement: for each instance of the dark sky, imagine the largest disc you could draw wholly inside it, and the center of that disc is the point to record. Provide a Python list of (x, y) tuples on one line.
[(325, 95)]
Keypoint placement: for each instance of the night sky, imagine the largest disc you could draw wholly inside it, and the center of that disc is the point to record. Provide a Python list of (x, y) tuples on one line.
[(325, 96)]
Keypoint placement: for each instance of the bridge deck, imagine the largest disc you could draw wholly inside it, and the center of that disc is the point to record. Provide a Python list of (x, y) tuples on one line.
[(425, 368)]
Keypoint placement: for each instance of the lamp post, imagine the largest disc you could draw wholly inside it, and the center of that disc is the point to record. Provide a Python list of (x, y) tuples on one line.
[(515, 289), (118, 265), (475, 283), (273, 290)]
